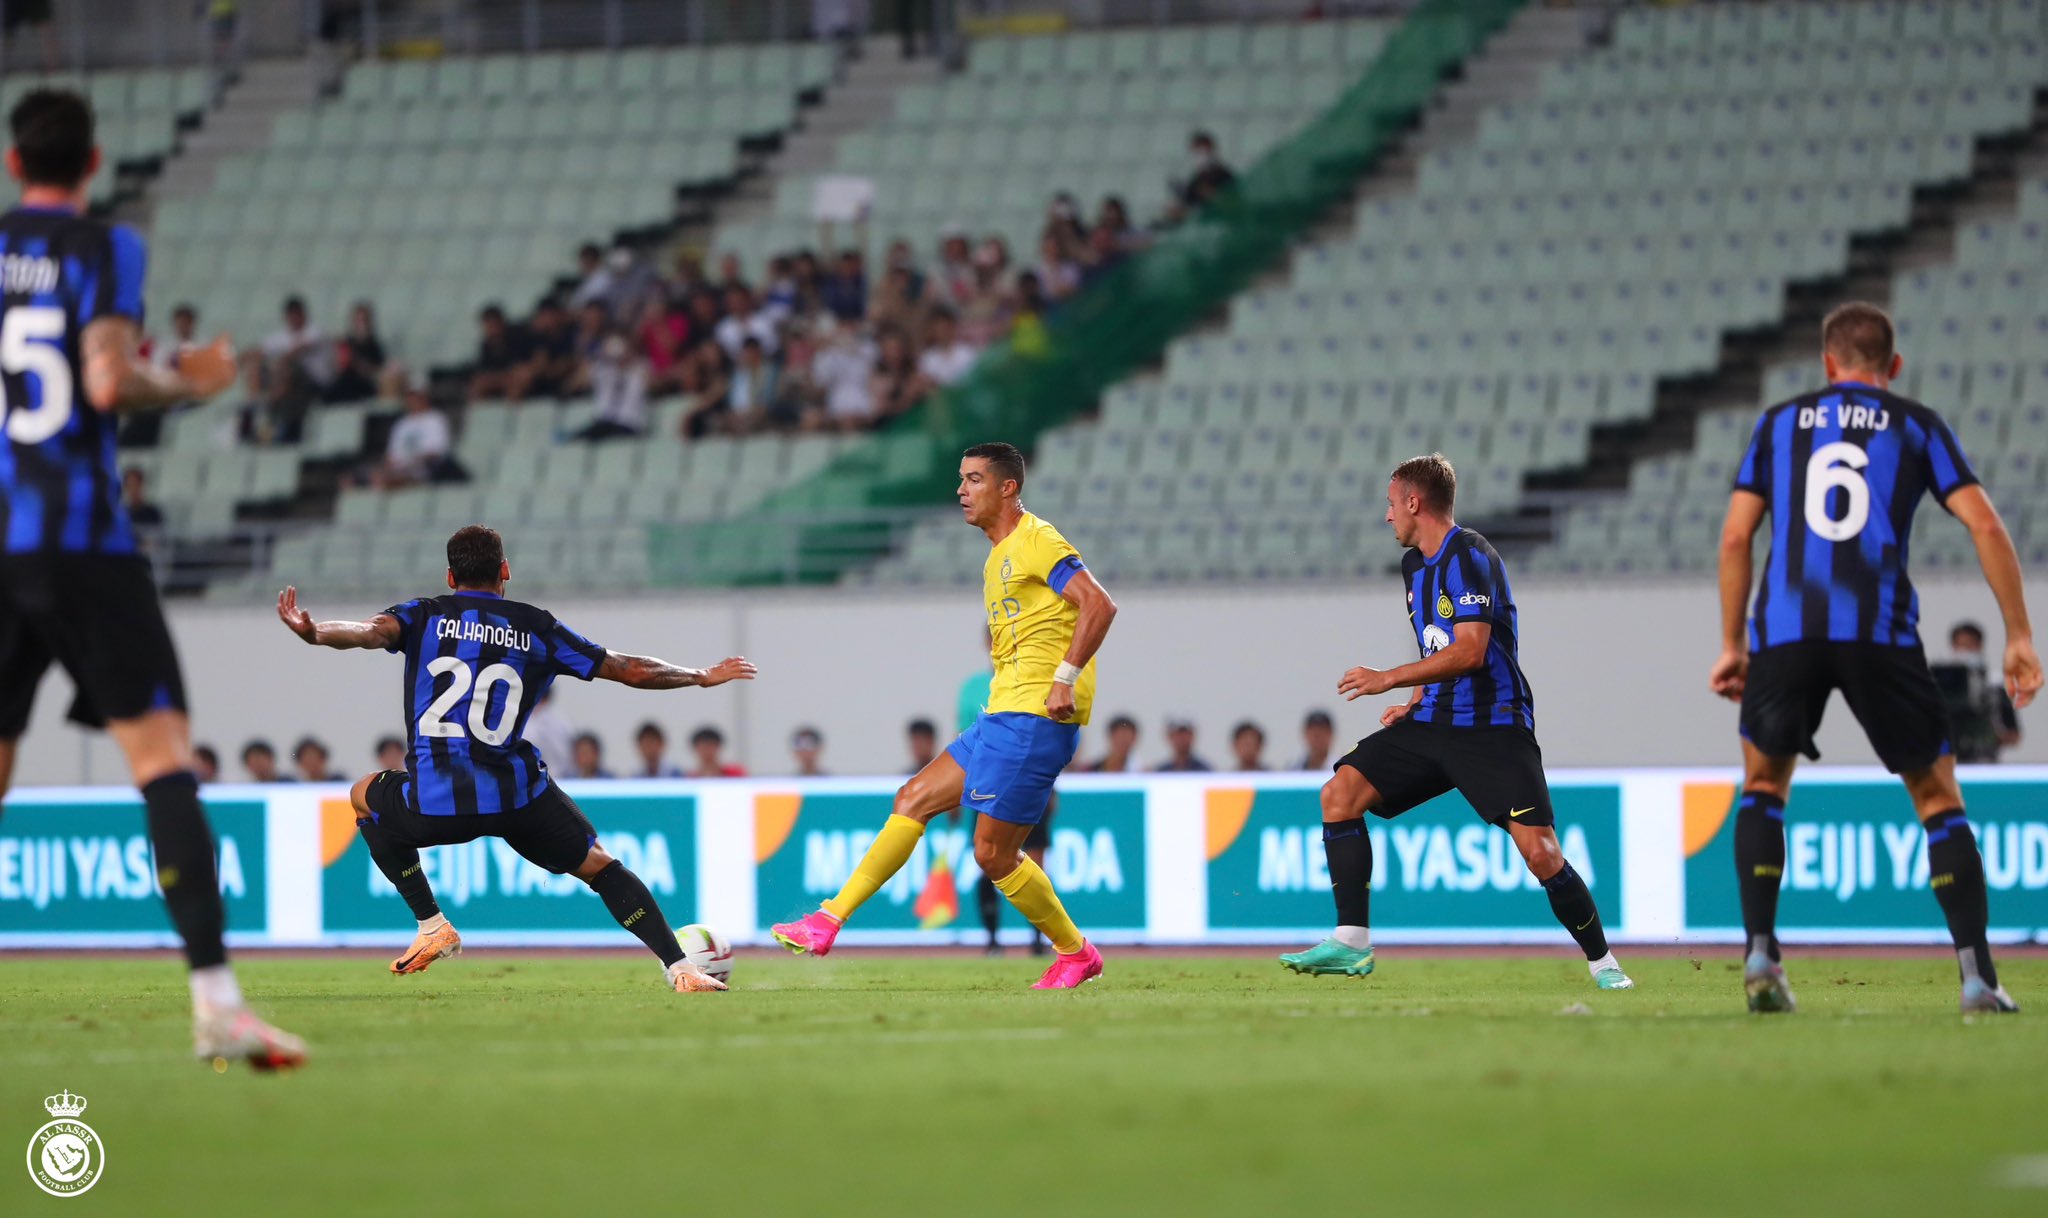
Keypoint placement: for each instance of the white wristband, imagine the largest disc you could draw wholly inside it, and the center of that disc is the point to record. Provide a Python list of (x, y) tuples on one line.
[(1066, 674)]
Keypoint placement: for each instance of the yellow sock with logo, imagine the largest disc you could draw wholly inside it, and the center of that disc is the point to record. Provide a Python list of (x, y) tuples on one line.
[(1030, 890), (893, 847)]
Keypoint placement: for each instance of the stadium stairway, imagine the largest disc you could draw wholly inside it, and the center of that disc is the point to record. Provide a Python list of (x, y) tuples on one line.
[(1772, 362), (241, 124)]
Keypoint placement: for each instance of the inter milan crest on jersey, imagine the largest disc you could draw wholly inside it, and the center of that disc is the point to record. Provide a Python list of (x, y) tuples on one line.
[(1443, 604), (65, 1157)]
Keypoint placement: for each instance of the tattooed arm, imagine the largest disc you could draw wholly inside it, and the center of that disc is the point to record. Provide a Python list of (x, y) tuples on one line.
[(646, 672)]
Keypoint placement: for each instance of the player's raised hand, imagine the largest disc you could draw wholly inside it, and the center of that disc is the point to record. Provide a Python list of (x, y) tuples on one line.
[(1362, 682), (2022, 672), (1394, 714), (209, 369), (297, 620), (735, 668), (1730, 674)]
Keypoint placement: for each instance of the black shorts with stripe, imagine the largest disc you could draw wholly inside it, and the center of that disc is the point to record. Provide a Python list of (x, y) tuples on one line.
[(551, 832), (1499, 770), (1889, 689), (97, 615)]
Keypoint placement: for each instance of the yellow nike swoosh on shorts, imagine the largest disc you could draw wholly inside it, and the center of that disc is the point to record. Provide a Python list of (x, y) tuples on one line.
[(1514, 812)]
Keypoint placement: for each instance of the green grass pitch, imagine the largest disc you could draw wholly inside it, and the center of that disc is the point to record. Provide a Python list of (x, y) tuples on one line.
[(500, 1084)]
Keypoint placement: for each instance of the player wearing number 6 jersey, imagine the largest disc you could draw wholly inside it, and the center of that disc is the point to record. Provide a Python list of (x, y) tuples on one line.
[(1840, 473), (476, 665), (75, 589)]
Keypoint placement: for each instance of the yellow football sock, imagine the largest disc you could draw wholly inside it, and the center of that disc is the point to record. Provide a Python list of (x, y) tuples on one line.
[(893, 848), (1030, 890)]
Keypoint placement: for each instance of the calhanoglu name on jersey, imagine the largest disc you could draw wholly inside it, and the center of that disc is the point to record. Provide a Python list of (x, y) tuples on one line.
[(1851, 417), (483, 632)]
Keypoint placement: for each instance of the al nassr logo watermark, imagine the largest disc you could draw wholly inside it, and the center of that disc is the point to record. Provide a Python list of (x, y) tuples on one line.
[(65, 1157)]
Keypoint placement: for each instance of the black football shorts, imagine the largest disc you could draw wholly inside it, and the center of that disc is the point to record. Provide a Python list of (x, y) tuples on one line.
[(97, 615), (1499, 770), (552, 833), (1888, 688)]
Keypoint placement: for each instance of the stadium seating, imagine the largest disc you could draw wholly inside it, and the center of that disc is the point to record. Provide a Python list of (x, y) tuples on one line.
[(472, 178), (139, 112), (1092, 113), (1539, 280)]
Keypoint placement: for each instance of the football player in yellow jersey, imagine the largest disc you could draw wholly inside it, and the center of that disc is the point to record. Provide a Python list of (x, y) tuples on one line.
[(1047, 616)]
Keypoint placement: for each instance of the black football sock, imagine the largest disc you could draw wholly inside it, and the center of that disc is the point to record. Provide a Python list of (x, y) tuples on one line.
[(990, 902), (1572, 902), (1760, 866), (185, 868), (401, 865), (1956, 870), (630, 902), (1348, 849)]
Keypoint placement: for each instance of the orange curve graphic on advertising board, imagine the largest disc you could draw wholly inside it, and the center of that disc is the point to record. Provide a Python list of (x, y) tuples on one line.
[(774, 819), (1228, 808), (1706, 806)]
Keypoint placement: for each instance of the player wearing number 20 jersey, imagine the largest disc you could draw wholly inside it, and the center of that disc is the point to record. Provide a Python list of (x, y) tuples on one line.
[(476, 664)]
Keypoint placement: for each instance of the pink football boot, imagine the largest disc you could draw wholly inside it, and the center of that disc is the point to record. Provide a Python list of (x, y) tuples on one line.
[(813, 933), (1068, 972)]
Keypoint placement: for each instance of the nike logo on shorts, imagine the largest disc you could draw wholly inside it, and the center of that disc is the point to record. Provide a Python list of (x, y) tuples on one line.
[(1514, 812), (978, 795)]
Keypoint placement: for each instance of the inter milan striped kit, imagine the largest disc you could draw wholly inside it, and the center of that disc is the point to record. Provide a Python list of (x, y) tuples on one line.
[(475, 667), (1464, 581), (1841, 473)]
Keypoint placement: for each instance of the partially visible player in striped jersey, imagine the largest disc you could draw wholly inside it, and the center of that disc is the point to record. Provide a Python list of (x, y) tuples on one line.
[(476, 664), (1469, 727), (75, 589), (1047, 616), (1840, 473)]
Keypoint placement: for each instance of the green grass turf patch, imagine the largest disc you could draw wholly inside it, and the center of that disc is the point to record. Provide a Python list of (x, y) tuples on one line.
[(500, 1085)]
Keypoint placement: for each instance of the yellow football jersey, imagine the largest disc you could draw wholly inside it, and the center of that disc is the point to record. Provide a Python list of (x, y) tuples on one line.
[(1030, 624)]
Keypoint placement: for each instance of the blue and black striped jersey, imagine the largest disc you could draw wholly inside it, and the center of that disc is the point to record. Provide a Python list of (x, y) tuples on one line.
[(60, 489), (1466, 582), (1841, 472), (476, 665)]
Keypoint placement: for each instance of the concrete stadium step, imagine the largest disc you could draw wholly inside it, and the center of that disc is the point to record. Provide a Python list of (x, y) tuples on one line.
[(242, 123)]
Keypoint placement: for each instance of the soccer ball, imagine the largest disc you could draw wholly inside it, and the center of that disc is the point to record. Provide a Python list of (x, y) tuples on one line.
[(708, 950)]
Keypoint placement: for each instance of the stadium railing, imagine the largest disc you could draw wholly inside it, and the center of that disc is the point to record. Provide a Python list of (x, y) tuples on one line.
[(1044, 375)]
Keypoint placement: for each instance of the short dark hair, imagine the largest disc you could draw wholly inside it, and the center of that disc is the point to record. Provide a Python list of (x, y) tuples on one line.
[(294, 302), (590, 738), (53, 135), (186, 308), (205, 753), (1319, 719), (707, 733), (800, 735), (1962, 628), (1004, 459), (475, 556), (1248, 726), (491, 312), (1202, 137), (650, 728), (1123, 721), (307, 742), (257, 746), (1432, 478), (1859, 335), (388, 742), (922, 727)]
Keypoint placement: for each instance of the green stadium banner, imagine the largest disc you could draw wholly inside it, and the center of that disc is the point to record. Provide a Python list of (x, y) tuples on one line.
[(86, 867), (806, 846), (1856, 859), (1437, 868), (485, 888), (1053, 369)]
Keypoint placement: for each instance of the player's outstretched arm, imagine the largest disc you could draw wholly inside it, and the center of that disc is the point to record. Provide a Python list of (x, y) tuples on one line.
[(1731, 671), (2001, 565), (646, 672), (380, 632), (1091, 626), (118, 378)]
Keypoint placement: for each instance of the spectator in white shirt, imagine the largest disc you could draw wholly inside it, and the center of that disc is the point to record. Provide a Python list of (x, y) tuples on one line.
[(947, 357), (742, 322), (418, 447), (184, 336), (618, 380), (288, 373), (839, 381)]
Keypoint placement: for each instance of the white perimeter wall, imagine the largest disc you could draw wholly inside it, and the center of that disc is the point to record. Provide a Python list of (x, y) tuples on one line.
[(1619, 672)]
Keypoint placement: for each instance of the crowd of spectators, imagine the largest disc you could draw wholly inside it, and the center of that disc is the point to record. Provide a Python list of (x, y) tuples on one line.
[(573, 754)]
